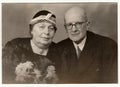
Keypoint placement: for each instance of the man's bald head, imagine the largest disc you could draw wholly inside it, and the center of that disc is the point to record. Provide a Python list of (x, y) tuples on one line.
[(76, 12)]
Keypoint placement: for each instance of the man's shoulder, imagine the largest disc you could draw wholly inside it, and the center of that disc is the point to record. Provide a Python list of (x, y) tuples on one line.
[(65, 42), (100, 39)]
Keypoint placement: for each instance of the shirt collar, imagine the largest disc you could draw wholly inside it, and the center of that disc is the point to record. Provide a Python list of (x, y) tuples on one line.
[(37, 50), (81, 44)]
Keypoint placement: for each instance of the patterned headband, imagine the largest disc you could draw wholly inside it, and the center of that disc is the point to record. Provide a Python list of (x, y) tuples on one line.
[(48, 17)]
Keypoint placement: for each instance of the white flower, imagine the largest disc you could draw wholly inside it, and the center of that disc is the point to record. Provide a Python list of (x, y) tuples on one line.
[(38, 75), (51, 74), (24, 68), (50, 71), (27, 73)]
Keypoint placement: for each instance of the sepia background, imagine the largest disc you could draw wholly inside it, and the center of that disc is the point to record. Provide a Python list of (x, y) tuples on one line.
[(16, 17)]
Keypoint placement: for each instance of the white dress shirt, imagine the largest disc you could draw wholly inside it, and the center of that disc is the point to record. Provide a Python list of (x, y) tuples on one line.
[(80, 45)]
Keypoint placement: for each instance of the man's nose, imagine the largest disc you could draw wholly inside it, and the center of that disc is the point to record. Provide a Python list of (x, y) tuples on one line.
[(74, 28)]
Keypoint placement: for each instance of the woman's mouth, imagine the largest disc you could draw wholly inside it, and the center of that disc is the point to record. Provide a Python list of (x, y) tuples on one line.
[(46, 38)]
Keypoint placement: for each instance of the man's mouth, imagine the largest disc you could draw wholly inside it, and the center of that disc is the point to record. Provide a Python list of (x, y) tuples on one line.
[(74, 34)]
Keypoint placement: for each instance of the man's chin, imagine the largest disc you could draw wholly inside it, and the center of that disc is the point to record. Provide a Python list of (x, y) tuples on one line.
[(77, 40)]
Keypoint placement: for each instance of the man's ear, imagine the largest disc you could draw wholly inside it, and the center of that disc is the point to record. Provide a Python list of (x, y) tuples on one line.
[(66, 30), (88, 25)]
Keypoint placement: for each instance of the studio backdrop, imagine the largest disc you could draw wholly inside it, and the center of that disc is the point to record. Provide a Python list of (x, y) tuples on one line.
[(16, 18)]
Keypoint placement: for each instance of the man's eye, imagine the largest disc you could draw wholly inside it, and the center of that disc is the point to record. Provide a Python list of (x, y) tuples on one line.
[(69, 24), (79, 23)]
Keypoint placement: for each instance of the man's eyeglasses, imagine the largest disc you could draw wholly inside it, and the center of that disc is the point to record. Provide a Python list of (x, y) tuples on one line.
[(77, 25)]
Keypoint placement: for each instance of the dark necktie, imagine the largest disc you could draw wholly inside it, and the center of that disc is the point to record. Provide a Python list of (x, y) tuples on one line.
[(78, 52)]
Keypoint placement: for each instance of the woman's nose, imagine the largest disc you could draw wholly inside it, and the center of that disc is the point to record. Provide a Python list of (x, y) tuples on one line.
[(46, 31)]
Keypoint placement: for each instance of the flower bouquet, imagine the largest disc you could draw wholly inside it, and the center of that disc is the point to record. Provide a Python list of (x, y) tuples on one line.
[(35, 73)]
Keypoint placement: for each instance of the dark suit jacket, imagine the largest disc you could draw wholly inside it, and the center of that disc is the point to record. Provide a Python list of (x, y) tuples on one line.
[(19, 50), (97, 62)]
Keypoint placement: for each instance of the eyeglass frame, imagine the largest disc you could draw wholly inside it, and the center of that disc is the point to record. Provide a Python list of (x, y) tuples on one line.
[(74, 24)]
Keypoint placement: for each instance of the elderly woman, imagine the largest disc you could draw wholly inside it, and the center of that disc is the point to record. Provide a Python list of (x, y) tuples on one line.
[(32, 60)]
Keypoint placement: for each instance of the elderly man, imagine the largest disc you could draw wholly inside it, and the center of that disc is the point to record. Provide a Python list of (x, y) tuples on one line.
[(86, 56), (34, 53)]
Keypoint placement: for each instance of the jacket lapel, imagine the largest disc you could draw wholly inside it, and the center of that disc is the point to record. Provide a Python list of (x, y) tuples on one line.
[(84, 62), (86, 58)]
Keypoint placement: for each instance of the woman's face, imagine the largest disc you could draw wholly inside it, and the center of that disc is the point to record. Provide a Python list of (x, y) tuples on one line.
[(42, 34)]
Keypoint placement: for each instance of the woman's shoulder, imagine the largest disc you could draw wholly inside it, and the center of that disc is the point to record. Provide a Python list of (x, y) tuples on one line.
[(17, 42), (15, 47)]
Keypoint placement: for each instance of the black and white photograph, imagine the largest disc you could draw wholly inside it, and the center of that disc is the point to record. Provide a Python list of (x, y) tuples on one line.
[(60, 43)]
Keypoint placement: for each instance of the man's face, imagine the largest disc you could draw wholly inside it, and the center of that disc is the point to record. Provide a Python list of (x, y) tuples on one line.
[(76, 26), (43, 33)]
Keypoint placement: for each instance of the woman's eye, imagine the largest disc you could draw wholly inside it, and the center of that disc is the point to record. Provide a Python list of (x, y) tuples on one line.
[(41, 26), (51, 27)]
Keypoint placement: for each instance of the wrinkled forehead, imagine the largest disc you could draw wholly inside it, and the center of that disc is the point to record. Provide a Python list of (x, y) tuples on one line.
[(74, 15)]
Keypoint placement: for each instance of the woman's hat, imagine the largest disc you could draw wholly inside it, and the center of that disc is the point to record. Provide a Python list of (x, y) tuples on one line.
[(43, 15)]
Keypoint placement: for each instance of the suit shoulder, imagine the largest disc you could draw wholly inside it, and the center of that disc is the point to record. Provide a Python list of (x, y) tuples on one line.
[(107, 40), (52, 45), (101, 39), (64, 42)]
